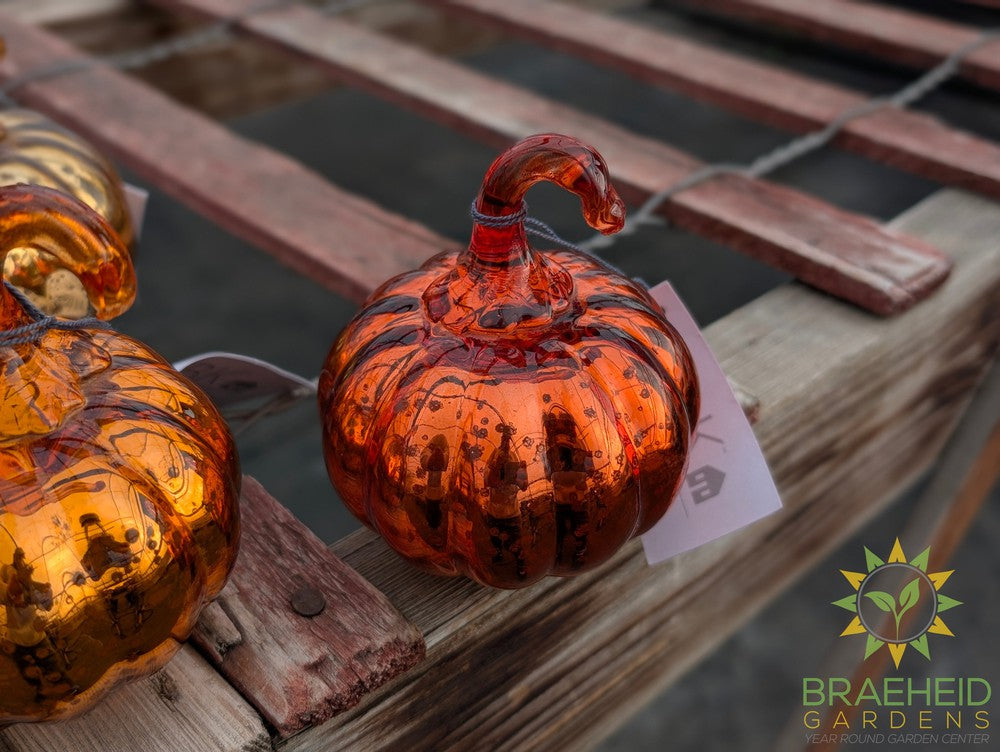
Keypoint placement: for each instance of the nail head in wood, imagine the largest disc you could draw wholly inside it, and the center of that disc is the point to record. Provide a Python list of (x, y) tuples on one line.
[(308, 601)]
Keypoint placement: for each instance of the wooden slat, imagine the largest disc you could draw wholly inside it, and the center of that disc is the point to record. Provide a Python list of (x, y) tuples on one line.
[(855, 411), (62, 11), (881, 31), (186, 707), (230, 78), (827, 247), (912, 141), (299, 669), (342, 241)]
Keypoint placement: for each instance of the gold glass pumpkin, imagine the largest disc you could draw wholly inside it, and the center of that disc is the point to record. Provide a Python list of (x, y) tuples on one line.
[(119, 481), (38, 151)]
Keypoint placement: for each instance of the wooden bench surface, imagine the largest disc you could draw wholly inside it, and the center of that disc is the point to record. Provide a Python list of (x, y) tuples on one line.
[(860, 410)]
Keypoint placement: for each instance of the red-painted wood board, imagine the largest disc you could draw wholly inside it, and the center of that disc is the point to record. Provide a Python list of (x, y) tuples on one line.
[(341, 240), (840, 252), (306, 636), (909, 140), (883, 31)]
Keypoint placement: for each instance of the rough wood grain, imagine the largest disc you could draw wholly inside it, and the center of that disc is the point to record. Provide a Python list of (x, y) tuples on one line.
[(840, 252), (877, 30), (186, 707), (909, 140), (216, 631), (61, 11), (299, 670), (856, 409), (342, 241)]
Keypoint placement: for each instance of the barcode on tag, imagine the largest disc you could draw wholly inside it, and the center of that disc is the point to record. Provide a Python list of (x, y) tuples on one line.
[(728, 484)]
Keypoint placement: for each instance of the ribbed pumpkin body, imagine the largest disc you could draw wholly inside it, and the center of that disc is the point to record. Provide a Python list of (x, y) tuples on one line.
[(507, 413), (119, 486), (117, 524), (509, 459)]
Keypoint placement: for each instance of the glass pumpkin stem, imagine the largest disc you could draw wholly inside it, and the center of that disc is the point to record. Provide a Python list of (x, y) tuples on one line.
[(548, 156), (499, 286), (68, 235)]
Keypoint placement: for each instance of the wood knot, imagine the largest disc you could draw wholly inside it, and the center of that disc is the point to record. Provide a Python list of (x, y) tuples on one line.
[(166, 687)]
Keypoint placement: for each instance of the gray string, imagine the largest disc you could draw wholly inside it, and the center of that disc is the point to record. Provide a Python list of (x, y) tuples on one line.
[(41, 323), (213, 33), (800, 146), (507, 220), (532, 225), (539, 229)]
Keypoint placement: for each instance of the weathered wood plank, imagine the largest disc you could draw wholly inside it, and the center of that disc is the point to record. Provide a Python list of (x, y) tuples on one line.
[(909, 140), (832, 249), (315, 636), (341, 240), (236, 77), (882, 31), (300, 634), (216, 631), (61, 11), (855, 409), (186, 707)]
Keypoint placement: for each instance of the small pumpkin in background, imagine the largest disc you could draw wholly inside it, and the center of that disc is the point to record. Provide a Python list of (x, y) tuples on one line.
[(119, 481), (37, 151), (507, 413)]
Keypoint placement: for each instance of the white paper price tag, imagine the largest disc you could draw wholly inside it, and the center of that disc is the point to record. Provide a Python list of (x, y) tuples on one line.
[(231, 380), (728, 484)]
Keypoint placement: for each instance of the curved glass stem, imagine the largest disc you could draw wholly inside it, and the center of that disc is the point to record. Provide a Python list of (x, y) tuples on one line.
[(551, 157), (499, 284), (71, 236)]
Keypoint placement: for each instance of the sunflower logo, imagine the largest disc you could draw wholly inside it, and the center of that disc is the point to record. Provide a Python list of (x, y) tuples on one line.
[(891, 590)]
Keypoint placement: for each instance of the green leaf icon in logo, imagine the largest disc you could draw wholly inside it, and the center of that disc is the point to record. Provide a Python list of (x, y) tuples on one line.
[(909, 596), (887, 603), (883, 600)]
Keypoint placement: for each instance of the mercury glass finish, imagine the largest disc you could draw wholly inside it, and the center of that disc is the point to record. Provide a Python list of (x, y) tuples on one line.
[(506, 413), (38, 151), (119, 483)]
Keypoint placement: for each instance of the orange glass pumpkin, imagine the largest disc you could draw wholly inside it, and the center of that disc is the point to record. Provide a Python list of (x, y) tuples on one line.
[(38, 151), (119, 481), (507, 413)]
